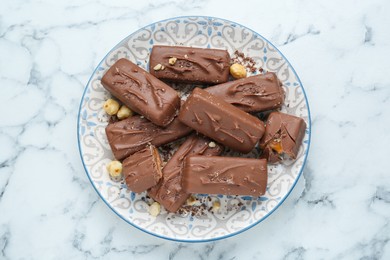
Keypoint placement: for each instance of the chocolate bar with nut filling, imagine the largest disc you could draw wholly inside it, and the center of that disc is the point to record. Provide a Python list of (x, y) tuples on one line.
[(252, 94), (189, 65), (142, 170), (221, 121), (283, 136), (142, 92), (130, 135), (168, 192), (225, 175)]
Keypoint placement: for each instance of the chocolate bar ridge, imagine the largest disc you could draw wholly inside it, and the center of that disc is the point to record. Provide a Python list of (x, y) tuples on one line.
[(142, 170), (130, 135), (168, 192), (189, 65), (252, 94), (225, 175), (283, 135), (221, 121), (142, 92)]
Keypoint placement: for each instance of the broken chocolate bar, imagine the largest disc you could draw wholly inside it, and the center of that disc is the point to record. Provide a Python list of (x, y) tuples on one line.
[(189, 65), (135, 133), (168, 192), (283, 136), (221, 121), (142, 92), (142, 170), (252, 94), (225, 175)]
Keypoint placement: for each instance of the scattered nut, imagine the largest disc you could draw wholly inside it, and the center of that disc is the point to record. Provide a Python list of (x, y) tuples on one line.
[(158, 67), (172, 60), (124, 112), (238, 71), (111, 106), (162, 67), (186, 56), (216, 205), (114, 168), (191, 201), (154, 209), (212, 145)]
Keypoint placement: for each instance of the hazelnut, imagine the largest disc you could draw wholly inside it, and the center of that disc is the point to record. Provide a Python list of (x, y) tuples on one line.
[(114, 169), (191, 201), (124, 112), (238, 71), (154, 209), (212, 145), (158, 67), (172, 60), (111, 106), (216, 205)]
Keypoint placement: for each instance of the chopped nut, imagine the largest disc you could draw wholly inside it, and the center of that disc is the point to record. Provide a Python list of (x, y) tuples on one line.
[(238, 71), (172, 60), (216, 205), (124, 112), (162, 67), (186, 56), (212, 145), (114, 168), (111, 106), (158, 67), (154, 209)]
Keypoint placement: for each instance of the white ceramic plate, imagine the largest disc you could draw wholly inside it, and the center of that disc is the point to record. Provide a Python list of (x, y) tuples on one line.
[(236, 214)]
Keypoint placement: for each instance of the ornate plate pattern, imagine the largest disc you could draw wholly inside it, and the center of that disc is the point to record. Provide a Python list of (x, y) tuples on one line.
[(236, 213)]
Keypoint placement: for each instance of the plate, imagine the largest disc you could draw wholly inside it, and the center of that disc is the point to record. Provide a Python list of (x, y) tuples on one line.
[(236, 213)]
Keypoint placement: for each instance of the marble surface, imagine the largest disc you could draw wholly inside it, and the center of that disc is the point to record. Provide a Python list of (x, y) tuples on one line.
[(340, 210)]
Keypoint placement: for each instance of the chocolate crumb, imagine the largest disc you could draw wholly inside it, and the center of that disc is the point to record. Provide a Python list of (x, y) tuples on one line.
[(248, 62)]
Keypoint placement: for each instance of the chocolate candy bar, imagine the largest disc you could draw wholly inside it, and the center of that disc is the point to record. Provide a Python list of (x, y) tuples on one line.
[(252, 94), (283, 135), (221, 121), (135, 133), (142, 169), (168, 192), (225, 175), (189, 65), (142, 92)]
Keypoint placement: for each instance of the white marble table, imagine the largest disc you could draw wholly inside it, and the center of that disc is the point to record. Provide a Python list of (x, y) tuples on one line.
[(48, 208)]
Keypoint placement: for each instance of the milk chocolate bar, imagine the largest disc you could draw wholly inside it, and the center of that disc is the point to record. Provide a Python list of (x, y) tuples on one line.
[(225, 175), (252, 94), (221, 121), (283, 136), (189, 65), (135, 133), (142, 92), (142, 169), (168, 192)]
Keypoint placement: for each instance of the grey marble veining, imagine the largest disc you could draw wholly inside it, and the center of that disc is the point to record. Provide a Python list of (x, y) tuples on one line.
[(340, 210)]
